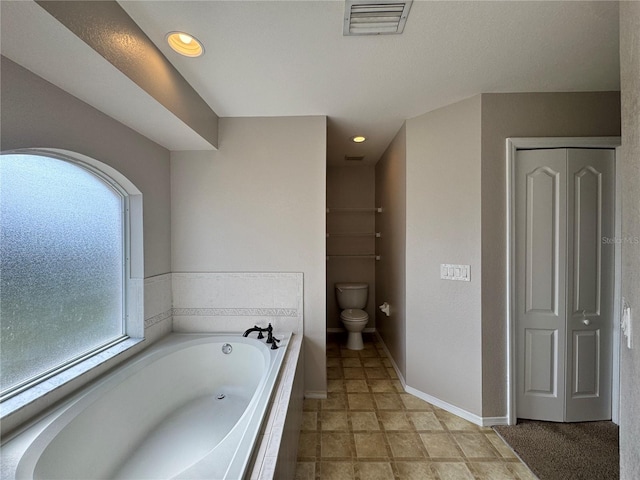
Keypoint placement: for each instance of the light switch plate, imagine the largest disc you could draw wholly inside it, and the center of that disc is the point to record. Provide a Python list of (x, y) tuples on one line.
[(450, 271)]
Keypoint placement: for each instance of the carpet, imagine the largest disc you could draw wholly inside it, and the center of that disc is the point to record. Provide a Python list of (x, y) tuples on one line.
[(566, 451)]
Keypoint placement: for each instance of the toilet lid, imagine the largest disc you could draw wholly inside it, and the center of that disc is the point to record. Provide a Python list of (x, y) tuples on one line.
[(353, 314)]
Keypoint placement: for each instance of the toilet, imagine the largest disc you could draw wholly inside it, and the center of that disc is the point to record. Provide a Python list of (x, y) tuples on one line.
[(352, 298)]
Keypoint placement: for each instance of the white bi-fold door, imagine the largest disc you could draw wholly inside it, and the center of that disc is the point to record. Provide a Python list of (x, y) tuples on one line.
[(564, 215)]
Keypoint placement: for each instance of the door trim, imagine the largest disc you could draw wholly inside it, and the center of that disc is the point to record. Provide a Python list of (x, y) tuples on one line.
[(512, 145)]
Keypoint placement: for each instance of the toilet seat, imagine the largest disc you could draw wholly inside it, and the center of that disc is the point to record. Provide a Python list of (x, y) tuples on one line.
[(353, 315)]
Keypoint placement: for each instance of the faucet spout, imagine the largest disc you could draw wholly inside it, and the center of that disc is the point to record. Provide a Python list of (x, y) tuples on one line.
[(255, 329)]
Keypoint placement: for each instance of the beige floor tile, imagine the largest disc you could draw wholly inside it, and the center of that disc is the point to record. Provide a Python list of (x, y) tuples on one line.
[(492, 471), (345, 352), (372, 362), (405, 445), (453, 422), (364, 421), (394, 420), (415, 470), (424, 420), (367, 421), (336, 470), (369, 352), (379, 385), (309, 421), (397, 384), (335, 385), (333, 444), (334, 362), (452, 471), (334, 420), (351, 373), (522, 471), (310, 404), (388, 401), (474, 445), (351, 362), (440, 445), (375, 470), (306, 471), (503, 449), (356, 386), (307, 445), (370, 445), (334, 401), (411, 402), (360, 401), (376, 372)]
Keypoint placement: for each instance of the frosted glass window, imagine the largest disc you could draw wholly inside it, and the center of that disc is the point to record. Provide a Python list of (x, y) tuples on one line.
[(62, 265)]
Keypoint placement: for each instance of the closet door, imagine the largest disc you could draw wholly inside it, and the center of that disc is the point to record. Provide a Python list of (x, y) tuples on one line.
[(564, 214), (590, 203), (540, 223)]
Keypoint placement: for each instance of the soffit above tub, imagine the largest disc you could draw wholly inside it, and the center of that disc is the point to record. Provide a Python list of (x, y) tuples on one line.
[(33, 38)]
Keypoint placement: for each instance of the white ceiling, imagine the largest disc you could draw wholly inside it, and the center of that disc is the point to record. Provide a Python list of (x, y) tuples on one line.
[(274, 58)]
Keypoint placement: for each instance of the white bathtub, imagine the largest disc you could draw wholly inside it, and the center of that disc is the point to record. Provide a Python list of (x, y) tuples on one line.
[(158, 416)]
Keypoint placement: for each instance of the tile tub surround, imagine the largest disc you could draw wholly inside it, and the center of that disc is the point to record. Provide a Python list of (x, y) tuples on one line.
[(369, 428), (274, 453), (233, 302)]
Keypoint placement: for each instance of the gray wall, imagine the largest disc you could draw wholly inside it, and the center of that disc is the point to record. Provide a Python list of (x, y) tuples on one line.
[(630, 173), (258, 205), (352, 187), (455, 201), (36, 113), (391, 195), (443, 323), (521, 115)]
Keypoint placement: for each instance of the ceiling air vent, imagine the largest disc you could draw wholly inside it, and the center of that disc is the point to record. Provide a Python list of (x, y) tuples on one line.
[(375, 17), (353, 158)]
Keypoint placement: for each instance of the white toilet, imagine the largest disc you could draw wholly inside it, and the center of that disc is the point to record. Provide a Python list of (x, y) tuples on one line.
[(352, 298)]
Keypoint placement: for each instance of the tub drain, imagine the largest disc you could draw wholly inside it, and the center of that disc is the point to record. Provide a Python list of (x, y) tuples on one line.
[(220, 396)]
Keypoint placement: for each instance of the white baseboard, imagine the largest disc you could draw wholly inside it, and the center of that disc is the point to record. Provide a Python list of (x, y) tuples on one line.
[(393, 363), (471, 417)]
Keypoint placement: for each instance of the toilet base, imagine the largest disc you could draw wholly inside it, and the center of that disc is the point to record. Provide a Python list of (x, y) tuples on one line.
[(354, 342)]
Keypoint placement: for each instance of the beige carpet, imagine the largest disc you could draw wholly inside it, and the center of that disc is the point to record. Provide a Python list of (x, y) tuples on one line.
[(566, 451)]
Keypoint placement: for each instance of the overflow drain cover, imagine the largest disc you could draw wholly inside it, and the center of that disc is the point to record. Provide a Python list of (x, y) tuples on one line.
[(220, 396)]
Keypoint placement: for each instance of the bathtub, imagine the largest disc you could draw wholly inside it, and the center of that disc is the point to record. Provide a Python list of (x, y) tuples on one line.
[(190, 406)]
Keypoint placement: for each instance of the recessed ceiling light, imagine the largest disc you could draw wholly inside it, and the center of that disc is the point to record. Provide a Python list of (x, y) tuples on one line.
[(358, 139), (185, 44)]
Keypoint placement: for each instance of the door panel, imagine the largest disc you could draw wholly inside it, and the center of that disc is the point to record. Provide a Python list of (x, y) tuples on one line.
[(586, 358), (590, 198), (541, 270), (540, 224)]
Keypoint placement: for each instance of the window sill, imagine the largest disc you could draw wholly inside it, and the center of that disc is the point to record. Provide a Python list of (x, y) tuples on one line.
[(19, 408)]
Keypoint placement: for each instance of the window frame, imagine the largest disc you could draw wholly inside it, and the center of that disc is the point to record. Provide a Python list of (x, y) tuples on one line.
[(63, 377)]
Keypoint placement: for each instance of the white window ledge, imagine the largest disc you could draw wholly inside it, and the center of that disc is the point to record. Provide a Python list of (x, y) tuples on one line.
[(19, 408)]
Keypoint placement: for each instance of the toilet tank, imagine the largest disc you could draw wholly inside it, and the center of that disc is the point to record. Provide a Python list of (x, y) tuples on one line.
[(352, 295)]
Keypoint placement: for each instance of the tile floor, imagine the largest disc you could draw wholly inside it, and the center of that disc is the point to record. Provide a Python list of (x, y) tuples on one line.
[(370, 429)]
